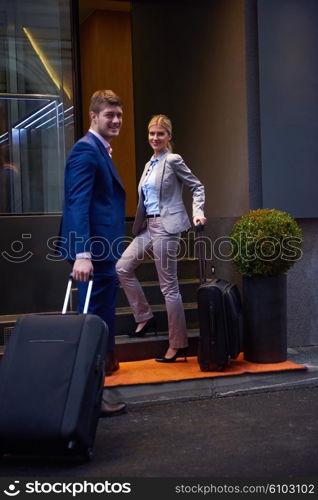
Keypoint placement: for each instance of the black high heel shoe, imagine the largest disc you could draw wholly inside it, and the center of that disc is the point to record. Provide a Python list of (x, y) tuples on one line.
[(183, 351), (150, 326)]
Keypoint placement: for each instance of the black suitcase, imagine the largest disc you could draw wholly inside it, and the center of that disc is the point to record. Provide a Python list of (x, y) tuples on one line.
[(51, 383), (220, 320)]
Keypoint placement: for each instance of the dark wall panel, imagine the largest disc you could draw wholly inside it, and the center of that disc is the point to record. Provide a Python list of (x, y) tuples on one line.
[(189, 63), (288, 59), (32, 278), (302, 297)]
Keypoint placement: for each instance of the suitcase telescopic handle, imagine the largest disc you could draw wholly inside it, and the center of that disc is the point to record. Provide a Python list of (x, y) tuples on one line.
[(68, 293), (199, 228)]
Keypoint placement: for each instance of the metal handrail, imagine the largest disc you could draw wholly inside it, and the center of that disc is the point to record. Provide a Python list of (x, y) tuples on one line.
[(29, 96)]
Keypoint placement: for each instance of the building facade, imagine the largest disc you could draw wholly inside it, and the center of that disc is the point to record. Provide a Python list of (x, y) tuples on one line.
[(237, 77)]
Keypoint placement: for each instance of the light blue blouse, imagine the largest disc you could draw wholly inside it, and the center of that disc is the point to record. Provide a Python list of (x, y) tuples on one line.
[(149, 186)]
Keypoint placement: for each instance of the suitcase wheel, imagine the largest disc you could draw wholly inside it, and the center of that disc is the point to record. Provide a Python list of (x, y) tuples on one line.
[(80, 452)]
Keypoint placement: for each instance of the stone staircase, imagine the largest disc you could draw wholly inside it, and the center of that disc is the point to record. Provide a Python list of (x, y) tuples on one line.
[(150, 346), (130, 349)]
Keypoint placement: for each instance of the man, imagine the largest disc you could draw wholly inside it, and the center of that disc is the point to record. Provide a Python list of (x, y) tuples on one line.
[(93, 218)]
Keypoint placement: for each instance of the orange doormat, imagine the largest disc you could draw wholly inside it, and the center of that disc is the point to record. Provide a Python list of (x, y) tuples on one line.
[(151, 372)]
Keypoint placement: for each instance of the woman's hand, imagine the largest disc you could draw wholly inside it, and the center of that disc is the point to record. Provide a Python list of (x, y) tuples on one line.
[(199, 220)]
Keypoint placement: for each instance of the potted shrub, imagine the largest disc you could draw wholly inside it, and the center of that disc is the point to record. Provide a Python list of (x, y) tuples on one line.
[(265, 244)]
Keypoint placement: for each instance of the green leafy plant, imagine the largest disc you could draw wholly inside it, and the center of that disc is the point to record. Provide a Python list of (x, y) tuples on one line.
[(265, 242)]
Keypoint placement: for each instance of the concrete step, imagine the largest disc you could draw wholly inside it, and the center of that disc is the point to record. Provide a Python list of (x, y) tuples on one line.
[(150, 346), (6, 326), (125, 322), (187, 269), (127, 349), (188, 290)]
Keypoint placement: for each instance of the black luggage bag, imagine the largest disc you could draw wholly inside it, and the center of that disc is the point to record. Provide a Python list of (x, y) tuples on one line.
[(51, 383), (220, 321)]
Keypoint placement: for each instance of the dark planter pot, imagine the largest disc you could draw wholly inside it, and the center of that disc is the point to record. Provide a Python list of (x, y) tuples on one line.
[(265, 318)]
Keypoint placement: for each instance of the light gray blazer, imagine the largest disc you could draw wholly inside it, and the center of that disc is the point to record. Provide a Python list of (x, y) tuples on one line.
[(171, 174)]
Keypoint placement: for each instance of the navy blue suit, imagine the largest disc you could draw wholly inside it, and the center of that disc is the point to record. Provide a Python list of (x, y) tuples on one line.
[(93, 221)]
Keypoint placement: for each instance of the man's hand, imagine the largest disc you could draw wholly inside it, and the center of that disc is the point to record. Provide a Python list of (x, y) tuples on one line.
[(82, 269), (199, 220)]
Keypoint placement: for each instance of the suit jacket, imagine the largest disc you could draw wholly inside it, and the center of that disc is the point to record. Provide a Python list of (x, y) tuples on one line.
[(94, 203), (171, 174)]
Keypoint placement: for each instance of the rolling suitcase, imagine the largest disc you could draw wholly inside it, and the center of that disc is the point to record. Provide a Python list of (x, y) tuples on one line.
[(51, 383), (220, 320)]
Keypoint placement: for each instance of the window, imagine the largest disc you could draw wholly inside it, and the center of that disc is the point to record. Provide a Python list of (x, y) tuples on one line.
[(36, 104)]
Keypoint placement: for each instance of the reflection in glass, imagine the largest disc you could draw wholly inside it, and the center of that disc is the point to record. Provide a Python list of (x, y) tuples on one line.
[(33, 153), (36, 104)]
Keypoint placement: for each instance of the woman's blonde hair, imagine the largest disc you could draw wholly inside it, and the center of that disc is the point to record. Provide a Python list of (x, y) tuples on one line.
[(165, 122)]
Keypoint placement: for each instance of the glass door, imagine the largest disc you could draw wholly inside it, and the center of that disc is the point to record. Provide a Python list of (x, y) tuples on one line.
[(36, 104)]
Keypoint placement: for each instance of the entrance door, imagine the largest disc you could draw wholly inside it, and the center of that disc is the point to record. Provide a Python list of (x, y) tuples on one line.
[(106, 63)]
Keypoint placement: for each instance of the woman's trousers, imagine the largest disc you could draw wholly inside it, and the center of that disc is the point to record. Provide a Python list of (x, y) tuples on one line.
[(163, 248)]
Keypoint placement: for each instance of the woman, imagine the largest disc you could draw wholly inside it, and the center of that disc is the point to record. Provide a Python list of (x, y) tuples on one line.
[(160, 218)]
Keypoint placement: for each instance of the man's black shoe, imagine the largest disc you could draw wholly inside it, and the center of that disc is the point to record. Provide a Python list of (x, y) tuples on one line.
[(112, 364), (112, 409)]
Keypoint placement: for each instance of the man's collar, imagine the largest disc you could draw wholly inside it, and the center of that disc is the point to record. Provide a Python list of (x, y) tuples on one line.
[(102, 140)]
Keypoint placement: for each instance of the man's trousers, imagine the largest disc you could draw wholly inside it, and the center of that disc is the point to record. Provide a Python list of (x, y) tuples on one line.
[(103, 298)]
